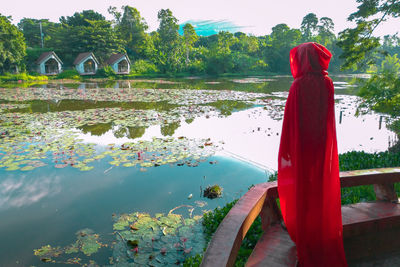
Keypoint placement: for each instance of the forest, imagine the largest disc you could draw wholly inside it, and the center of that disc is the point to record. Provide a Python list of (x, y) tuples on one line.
[(172, 49)]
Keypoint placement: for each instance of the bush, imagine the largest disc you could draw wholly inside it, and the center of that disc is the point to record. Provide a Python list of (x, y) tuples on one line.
[(69, 74), (7, 77), (143, 67), (106, 72)]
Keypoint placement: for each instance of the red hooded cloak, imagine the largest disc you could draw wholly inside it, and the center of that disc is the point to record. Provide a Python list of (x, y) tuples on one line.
[(308, 165)]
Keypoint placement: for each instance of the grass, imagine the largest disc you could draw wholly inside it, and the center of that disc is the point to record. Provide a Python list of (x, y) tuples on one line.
[(22, 77)]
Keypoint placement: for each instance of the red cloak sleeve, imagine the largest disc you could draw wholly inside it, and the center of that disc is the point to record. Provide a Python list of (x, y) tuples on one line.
[(308, 166)]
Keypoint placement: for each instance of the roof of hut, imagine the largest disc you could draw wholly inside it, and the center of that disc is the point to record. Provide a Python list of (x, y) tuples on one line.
[(115, 57), (82, 56), (46, 55)]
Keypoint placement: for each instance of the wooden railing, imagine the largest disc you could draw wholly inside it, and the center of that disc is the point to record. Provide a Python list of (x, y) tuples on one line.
[(261, 200)]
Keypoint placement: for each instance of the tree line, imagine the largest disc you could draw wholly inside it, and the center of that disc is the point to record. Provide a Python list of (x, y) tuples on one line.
[(162, 51), (165, 51)]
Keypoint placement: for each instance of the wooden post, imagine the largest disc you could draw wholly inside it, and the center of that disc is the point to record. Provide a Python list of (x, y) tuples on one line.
[(385, 192)]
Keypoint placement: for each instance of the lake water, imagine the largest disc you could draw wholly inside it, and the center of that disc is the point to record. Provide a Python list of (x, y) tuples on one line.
[(129, 161)]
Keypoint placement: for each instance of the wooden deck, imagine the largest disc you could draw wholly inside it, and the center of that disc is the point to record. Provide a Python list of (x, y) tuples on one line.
[(371, 231)]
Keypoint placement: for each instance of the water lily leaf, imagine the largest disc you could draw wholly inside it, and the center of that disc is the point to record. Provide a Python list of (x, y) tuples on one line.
[(86, 168), (27, 168)]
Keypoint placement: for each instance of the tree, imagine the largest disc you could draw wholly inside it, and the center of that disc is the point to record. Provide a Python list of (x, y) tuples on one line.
[(12, 45), (358, 44), (98, 37), (325, 31), (189, 37), (278, 46), (31, 30), (219, 59), (82, 18), (132, 28), (382, 91), (309, 26), (169, 44)]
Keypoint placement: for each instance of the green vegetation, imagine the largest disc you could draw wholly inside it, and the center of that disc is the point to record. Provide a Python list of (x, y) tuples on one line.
[(348, 161), (7, 77), (12, 46), (213, 191), (164, 51), (69, 74)]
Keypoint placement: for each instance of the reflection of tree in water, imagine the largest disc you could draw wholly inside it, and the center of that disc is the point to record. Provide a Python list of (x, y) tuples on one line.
[(189, 121), (228, 106), (120, 132), (136, 132), (97, 129), (169, 129), (394, 146)]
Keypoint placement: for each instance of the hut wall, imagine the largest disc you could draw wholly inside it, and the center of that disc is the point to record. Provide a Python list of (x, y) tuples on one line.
[(115, 65), (42, 68), (80, 67)]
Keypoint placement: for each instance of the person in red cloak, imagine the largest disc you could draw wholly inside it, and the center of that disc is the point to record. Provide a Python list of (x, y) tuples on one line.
[(308, 165)]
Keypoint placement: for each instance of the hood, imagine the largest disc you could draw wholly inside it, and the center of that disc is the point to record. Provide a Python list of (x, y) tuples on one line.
[(309, 58)]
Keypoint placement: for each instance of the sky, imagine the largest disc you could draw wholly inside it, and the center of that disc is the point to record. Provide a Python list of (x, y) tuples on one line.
[(255, 17)]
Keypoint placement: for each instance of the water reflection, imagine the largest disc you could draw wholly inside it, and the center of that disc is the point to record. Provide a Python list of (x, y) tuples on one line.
[(18, 191)]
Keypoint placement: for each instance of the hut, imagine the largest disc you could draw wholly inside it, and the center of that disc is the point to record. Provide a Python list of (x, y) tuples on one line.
[(49, 63), (120, 63), (86, 63)]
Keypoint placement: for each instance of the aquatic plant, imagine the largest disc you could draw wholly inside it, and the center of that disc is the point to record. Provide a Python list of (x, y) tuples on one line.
[(213, 191)]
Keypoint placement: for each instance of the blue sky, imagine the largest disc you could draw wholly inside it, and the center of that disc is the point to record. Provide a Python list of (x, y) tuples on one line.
[(252, 16)]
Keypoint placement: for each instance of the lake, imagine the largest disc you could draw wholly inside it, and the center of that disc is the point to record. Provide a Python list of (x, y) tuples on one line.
[(112, 172)]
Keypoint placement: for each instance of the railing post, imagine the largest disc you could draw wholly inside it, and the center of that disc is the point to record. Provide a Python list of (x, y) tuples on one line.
[(270, 213), (385, 192)]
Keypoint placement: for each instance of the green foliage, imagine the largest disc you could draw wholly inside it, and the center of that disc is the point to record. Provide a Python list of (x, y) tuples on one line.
[(132, 28), (83, 18), (31, 30), (359, 161), (32, 54), (358, 44), (143, 66), (69, 74), (309, 26), (381, 92), (169, 43), (106, 72), (7, 77), (12, 46)]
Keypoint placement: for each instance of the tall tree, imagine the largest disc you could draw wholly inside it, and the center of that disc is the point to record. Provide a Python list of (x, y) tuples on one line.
[(325, 31), (189, 37), (12, 45), (169, 41), (308, 26), (132, 28)]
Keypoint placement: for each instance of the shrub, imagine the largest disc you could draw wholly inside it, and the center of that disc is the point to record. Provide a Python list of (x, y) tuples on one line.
[(69, 74), (143, 67), (106, 72), (7, 77)]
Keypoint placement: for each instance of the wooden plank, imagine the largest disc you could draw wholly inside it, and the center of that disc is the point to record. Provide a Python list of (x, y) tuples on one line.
[(275, 249), (370, 176), (362, 218)]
